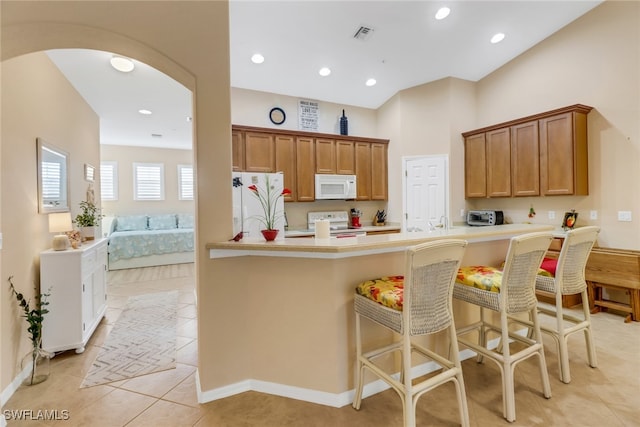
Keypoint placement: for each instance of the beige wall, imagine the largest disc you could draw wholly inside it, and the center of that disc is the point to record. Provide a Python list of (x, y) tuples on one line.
[(125, 157), (37, 101), (594, 61), (199, 59)]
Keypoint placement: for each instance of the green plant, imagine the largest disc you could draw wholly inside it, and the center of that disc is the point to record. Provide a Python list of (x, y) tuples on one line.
[(35, 317), (268, 198), (89, 215)]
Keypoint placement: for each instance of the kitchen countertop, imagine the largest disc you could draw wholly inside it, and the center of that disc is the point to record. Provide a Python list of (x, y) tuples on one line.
[(364, 245)]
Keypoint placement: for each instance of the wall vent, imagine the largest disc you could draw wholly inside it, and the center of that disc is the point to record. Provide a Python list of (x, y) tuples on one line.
[(363, 33)]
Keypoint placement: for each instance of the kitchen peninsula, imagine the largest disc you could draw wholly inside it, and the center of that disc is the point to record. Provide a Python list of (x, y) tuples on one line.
[(288, 307)]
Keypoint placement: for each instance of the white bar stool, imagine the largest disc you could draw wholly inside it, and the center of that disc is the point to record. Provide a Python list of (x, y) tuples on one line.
[(420, 303)]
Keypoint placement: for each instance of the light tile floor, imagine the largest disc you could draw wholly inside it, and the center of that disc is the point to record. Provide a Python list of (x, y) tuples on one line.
[(609, 395)]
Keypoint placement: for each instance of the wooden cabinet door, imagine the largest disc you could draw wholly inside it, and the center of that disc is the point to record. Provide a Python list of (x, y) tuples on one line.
[(237, 150), (305, 176), (557, 156), (325, 155), (475, 166), (363, 170), (379, 172), (525, 159), (345, 157), (498, 152), (260, 155), (285, 147)]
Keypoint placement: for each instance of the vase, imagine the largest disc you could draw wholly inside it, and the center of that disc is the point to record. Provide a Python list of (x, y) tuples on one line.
[(88, 233), (35, 365), (269, 235)]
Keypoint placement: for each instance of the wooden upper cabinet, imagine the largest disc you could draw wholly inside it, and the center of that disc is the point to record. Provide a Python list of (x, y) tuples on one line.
[(498, 152), (260, 154), (379, 172), (363, 170), (548, 156), (237, 151), (305, 167), (345, 157), (525, 155), (563, 154), (475, 166), (285, 148), (325, 155)]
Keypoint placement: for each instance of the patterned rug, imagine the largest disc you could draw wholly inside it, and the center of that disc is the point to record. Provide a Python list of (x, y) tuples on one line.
[(142, 341)]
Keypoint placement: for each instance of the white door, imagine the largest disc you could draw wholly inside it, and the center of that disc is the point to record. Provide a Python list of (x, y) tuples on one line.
[(426, 197)]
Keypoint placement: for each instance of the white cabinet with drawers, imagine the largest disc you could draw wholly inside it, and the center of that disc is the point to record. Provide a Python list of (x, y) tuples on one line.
[(76, 280)]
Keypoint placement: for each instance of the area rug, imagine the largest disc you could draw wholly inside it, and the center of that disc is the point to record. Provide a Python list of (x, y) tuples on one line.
[(142, 341)]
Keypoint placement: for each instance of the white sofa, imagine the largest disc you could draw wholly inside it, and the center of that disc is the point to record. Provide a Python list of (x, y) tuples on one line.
[(149, 240)]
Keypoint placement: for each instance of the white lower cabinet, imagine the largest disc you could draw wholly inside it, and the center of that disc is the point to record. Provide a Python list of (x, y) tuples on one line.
[(76, 280)]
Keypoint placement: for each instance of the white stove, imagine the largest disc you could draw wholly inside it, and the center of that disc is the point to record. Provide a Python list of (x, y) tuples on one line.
[(338, 222)]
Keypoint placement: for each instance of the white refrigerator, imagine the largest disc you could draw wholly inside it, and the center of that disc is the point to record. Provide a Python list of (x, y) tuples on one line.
[(247, 207)]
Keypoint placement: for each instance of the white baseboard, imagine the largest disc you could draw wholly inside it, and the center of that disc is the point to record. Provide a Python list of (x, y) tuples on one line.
[(336, 400), (12, 387)]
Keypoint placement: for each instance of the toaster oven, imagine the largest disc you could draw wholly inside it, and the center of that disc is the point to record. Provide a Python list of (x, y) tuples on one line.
[(485, 217)]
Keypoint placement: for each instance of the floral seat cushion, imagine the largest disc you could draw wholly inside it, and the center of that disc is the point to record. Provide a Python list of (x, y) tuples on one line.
[(481, 277), (548, 267), (388, 291)]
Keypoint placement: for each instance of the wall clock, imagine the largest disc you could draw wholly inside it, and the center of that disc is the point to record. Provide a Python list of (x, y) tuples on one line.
[(277, 116)]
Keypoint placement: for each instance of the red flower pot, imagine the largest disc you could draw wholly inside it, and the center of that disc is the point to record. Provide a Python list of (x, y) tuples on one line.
[(269, 235)]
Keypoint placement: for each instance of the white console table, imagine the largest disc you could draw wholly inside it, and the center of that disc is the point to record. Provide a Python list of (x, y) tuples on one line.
[(76, 280)]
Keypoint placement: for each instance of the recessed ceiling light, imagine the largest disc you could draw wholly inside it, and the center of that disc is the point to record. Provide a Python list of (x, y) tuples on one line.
[(371, 82), (324, 71), (121, 64), (145, 112), (497, 38), (442, 13), (257, 58)]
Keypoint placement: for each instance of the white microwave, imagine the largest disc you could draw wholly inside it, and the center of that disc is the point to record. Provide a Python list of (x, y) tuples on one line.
[(335, 187)]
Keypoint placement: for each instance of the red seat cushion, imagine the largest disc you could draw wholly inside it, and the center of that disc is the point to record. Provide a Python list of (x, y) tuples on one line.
[(549, 265)]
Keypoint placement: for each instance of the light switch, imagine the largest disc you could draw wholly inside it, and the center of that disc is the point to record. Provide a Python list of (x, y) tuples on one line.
[(624, 216), (552, 214), (594, 215)]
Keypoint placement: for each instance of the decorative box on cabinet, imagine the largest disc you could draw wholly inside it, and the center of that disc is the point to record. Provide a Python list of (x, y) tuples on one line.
[(76, 279)]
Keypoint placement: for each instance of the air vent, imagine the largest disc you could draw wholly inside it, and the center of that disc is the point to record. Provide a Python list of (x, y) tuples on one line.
[(363, 33), (156, 135)]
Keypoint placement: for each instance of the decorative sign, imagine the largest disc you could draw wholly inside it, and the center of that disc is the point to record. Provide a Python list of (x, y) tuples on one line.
[(308, 115)]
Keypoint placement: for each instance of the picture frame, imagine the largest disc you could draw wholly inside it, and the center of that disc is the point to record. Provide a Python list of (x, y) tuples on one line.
[(89, 172), (569, 221)]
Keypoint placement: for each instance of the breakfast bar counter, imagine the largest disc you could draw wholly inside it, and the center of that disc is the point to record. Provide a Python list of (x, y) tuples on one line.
[(281, 313)]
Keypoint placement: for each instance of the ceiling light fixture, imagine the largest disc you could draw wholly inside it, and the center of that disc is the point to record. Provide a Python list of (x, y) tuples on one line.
[(442, 13), (257, 58), (324, 71), (124, 65), (371, 82), (497, 38), (145, 112)]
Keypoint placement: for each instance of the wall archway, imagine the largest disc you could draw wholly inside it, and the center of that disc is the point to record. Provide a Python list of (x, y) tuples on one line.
[(189, 42)]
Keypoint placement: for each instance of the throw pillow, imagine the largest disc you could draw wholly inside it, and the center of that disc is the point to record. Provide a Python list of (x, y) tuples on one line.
[(162, 222), (185, 221), (131, 223)]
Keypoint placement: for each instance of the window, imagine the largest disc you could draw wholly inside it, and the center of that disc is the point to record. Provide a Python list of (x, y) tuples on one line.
[(148, 181), (185, 182), (109, 180)]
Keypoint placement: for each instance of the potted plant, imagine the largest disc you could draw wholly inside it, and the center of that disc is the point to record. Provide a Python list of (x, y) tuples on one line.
[(87, 219), (268, 197), (36, 362)]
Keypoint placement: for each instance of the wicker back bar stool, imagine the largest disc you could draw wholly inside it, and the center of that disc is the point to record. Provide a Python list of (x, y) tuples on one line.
[(509, 291), (418, 303), (568, 279)]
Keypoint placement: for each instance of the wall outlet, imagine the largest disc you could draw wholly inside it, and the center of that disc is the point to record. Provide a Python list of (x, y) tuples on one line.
[(624, 216), (552, 214), (461, 213), (593, 215)]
